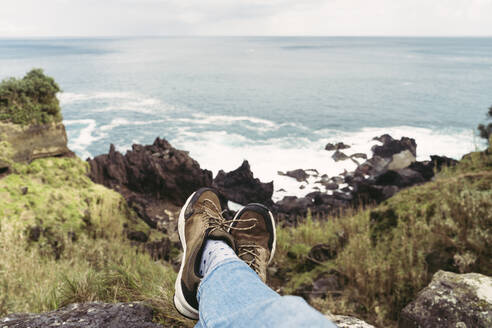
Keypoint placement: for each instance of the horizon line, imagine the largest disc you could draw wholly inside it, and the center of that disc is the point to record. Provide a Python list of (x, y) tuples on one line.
[(235, 36)]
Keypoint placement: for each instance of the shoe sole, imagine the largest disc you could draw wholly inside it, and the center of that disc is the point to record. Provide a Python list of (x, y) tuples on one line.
[(274, 244), (180, 302)]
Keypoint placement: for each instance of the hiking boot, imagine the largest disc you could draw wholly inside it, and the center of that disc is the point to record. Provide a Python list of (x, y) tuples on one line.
[(253, 229), (200, 219)]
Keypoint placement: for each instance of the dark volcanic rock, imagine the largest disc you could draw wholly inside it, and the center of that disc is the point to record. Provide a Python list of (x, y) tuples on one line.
[(139, 236), (327, 283), (442, 161), (242, 187), (359, 155), (321, 253), (294, 206), (87, 315), (150, 176), (451, 300), (290, 208), (392, 167), (339, 156), (392, 146), (400, 178), (337, 146), (441, 258), (300, 175), (344, 321)]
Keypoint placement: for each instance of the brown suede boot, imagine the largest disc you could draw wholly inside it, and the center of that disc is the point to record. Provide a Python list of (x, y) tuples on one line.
[(253, 229), (200, 219)]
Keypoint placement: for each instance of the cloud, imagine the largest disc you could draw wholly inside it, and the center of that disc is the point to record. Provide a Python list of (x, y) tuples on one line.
[(244, 17)]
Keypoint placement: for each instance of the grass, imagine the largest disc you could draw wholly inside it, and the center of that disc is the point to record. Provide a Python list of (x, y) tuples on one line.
[(389, 252), (63, 240)]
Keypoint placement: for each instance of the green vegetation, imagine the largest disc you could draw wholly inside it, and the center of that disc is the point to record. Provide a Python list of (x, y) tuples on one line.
[(5, 152), (31, 99), (388, 253), (63, 240), (486, 131)]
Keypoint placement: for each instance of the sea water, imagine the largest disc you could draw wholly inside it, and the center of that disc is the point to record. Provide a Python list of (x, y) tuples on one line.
[(275, 101)]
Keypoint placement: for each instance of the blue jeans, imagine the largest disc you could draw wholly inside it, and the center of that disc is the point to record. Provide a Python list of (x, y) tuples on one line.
[(232, 295)]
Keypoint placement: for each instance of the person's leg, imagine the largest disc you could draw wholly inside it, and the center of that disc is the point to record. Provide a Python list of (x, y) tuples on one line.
[(233, 295), (224, 289)]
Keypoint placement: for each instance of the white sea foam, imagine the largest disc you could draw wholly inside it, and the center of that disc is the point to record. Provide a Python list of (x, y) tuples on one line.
[(225, 119), (71, 97), (220, 150), (116, 101), (122, 122), (85, 137), (216, 149)]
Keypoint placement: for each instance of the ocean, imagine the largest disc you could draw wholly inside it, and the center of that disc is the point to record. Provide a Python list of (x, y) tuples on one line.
[(275, 101)]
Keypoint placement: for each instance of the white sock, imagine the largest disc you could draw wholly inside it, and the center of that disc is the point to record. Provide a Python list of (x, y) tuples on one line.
[(215, 252)]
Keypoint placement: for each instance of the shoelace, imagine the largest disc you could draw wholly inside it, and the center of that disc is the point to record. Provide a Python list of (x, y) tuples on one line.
[(244, 250), (214, 219)]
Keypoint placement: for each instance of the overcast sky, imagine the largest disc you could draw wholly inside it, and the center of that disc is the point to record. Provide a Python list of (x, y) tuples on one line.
[(20, 18)]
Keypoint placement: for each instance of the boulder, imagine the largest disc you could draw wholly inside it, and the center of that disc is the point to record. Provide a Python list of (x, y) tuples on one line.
[(31, 142), (336, 146), (339, 156), (425, 168), (451, 300), (328, 184), (290, 208), (321, 252), (151, 178), (400, 178), (442, 161), (240, 186), (86, 315), (392, 146), (294, 206), (344, 321), (327, 283), (401, 160), (359, 156), (300, 175)]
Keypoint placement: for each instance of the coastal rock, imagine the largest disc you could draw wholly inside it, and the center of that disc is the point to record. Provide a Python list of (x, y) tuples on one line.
[(328, 184), (442, 161), (400, 178), (291, 207), (401, 160), (31, 142), (321, 253), (339, 156), (451, 300), (152, 178), (392, 167), (337, 146), (300, 175), (240, 186), (359, 156), (86, 315), (344, 321), (392, 146), (329, 283)]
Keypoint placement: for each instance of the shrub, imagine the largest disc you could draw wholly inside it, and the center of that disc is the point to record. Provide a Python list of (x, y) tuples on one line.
[(31, 99), (486, 130)]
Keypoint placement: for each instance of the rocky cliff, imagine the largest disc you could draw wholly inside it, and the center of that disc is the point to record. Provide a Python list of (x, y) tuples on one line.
[(23, 144)]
